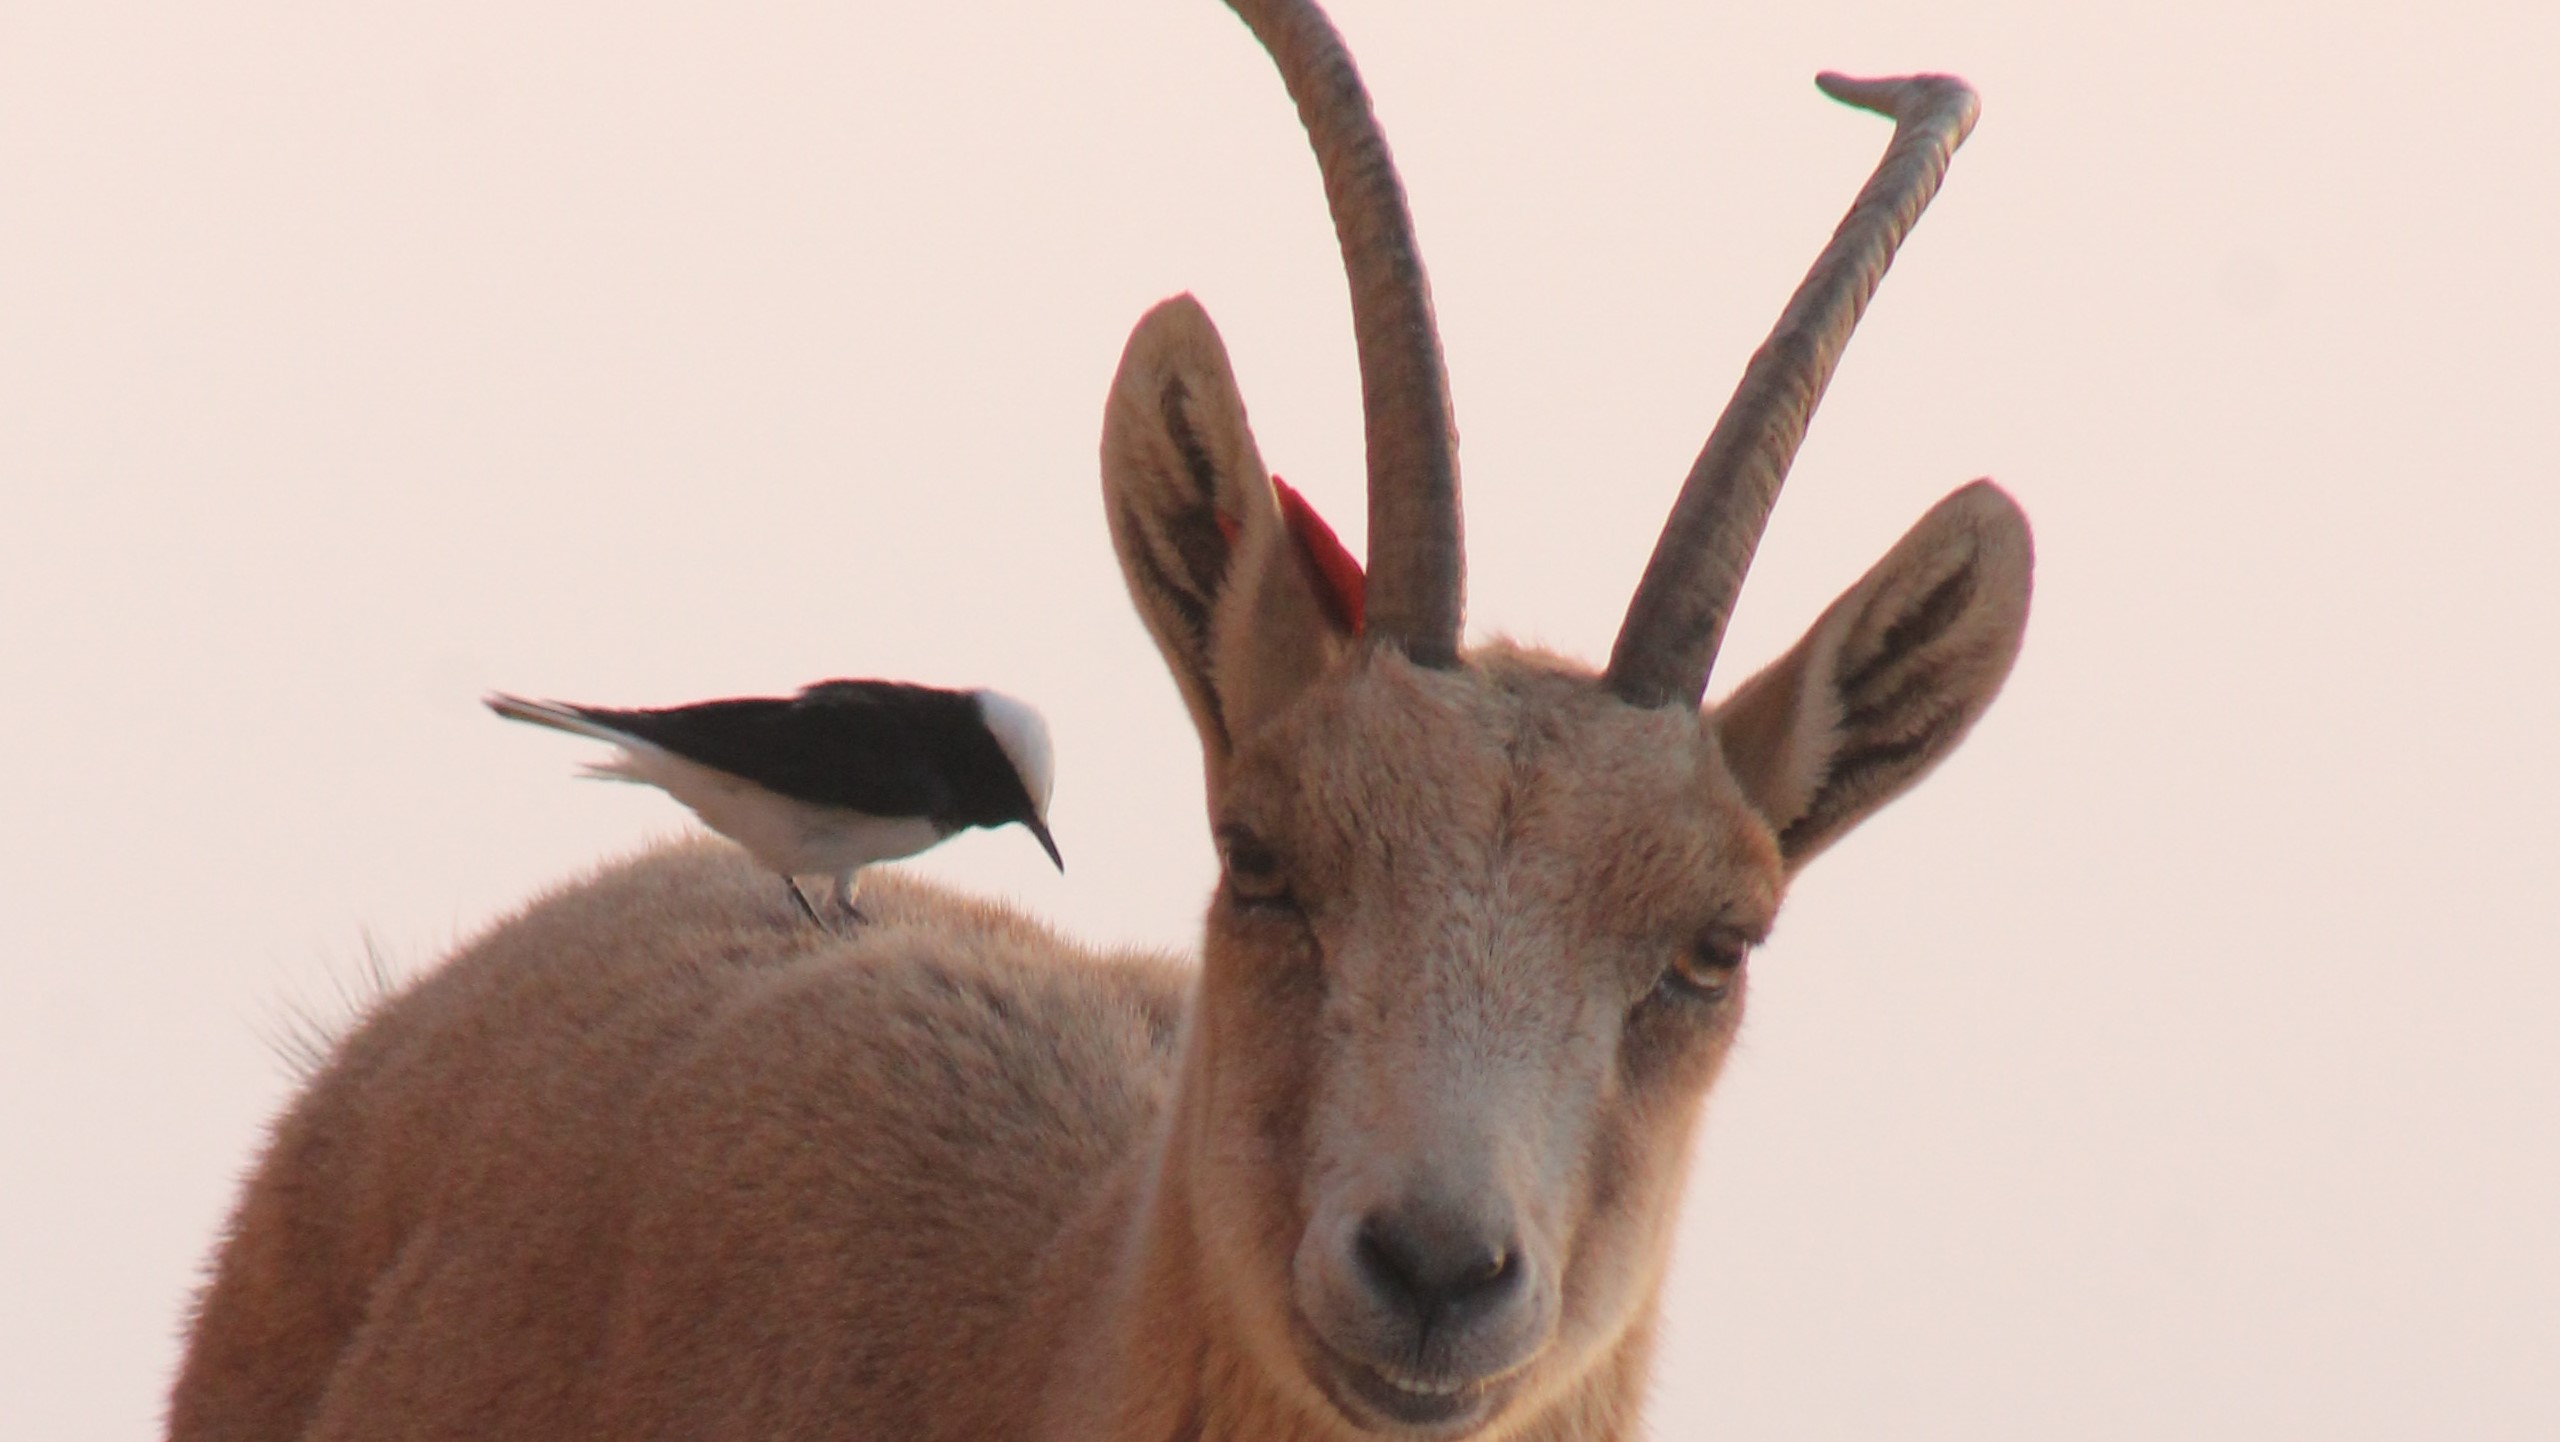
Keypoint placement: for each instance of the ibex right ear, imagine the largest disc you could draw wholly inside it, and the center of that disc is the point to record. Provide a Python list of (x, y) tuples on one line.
[(1891, 677), (1209, 559)]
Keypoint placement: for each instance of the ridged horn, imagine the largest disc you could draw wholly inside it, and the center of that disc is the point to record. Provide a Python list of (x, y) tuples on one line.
[(1676, 622), (1417, 555)]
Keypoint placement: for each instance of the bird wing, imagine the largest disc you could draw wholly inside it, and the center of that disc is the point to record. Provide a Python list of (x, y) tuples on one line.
[(867, 746)]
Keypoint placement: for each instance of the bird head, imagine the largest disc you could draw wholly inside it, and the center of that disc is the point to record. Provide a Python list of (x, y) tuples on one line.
[(1023, 736)]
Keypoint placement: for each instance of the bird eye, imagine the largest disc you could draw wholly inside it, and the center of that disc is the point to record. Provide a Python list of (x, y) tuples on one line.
[(1255, 876), (1706, 968)]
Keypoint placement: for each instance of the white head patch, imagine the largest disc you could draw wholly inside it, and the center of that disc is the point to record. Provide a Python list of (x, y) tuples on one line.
[(1025, 739)]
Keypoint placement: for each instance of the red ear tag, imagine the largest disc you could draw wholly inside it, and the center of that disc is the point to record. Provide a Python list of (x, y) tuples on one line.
[(1340, 584)]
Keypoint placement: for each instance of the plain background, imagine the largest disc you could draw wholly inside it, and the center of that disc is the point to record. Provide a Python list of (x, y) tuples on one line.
[(2178, 1062)]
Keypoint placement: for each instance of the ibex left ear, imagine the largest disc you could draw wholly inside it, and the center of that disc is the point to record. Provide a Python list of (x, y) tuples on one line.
[(1213, 561), (1890, 679)]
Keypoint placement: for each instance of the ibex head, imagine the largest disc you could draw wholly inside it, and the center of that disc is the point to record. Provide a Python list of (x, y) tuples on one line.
[(1479, 945)]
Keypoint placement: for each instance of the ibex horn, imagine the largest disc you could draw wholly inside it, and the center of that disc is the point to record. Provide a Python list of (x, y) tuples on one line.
[(1417, 556), (1676, 621)]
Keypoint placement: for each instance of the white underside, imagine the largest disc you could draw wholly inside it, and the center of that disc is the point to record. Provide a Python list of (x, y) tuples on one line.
[(794, 838)]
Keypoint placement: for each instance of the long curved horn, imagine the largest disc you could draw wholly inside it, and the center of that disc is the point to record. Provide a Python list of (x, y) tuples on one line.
[(1676, 621), (1417, 554)]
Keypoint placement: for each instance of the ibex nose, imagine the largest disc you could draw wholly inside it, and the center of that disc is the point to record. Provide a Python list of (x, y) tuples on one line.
[(1436, 1268)]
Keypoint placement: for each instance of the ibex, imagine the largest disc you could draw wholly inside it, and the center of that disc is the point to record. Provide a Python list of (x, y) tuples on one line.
[(1399, 1158)]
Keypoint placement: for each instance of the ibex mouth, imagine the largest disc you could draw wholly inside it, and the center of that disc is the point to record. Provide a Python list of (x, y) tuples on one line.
[(1391, 1399)]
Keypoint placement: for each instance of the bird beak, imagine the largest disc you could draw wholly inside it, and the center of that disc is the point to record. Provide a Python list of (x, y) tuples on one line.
[(1040, 829)]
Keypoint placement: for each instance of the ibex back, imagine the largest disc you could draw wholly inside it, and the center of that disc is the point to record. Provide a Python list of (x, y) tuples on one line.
[(1399, 1158)]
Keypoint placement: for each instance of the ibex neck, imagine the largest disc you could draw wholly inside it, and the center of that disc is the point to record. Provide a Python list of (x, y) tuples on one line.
[(1147, 1346), (1143, 1352)]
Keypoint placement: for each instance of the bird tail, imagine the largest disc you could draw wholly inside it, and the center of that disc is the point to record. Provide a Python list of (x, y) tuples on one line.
[(552, 714), (560, 717)]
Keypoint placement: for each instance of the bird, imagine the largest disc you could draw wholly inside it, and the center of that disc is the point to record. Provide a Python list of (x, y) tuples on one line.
[(825, 782)]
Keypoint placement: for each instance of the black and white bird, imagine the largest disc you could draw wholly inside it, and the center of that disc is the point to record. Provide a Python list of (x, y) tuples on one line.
[(829, 781)]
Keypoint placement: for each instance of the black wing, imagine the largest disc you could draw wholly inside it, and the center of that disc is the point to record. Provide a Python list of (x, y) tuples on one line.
[(869, 746)]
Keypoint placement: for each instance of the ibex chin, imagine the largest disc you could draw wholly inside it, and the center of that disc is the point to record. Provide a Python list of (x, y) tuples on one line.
[(1398, 1158)]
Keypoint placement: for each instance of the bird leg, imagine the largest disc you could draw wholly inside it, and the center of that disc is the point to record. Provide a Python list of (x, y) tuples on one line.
[(800, 899), (848, 886)]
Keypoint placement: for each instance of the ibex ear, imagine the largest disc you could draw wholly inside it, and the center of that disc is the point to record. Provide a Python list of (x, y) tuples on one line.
[(1891, 677), (1211, 563)]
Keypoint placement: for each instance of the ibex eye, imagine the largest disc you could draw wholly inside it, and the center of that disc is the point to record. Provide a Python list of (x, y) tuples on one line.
[(1707, 967), (1254, 872)]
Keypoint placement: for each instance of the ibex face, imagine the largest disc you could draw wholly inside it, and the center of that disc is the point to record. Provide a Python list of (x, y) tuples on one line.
[(1470, 969), (1477, 951)]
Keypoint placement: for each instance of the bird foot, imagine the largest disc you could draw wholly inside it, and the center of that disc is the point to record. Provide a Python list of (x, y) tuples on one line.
[(839, 901)]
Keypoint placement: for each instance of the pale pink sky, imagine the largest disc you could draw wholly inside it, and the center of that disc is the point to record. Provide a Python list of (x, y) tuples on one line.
[(2179, 1062)]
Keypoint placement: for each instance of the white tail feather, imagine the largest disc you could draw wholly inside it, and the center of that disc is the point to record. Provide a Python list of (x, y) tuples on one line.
[(557, 717)]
